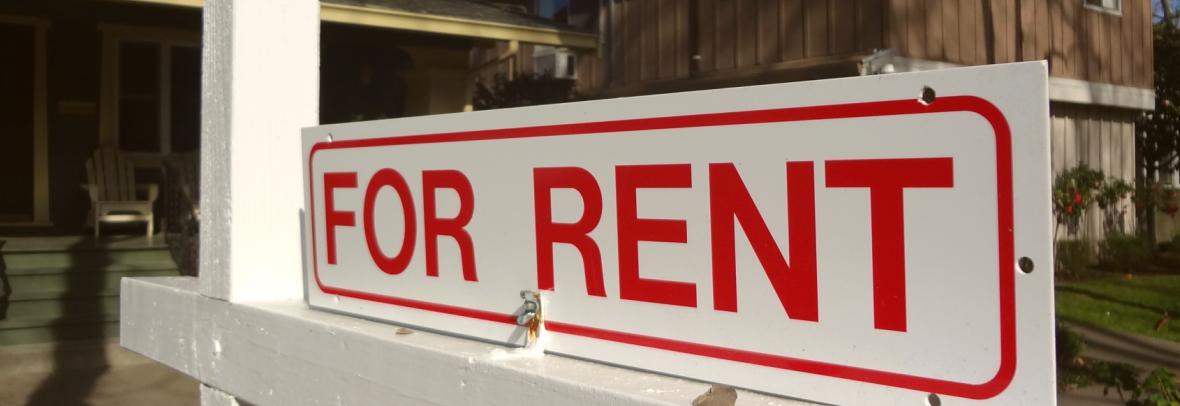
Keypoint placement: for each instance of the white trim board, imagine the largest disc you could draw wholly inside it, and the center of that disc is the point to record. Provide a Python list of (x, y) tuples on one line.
[(1060, 89), (1083, 92), (242, 349)]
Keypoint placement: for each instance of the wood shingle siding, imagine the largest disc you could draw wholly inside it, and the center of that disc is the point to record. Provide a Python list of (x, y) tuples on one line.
[(1079, 42), (662, 40), (655, 40)]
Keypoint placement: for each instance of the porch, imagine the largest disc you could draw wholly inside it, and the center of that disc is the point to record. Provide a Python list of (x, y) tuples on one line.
[(127, 75), (64, 288)]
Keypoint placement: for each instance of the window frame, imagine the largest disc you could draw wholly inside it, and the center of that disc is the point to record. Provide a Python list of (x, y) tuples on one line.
[(1116, 10), (114, 36)]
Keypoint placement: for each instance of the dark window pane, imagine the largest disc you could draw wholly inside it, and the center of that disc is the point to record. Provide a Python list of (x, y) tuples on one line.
[(360, 75), (139, 125), (139, 97), (16, 122), (139, 69), (555, 9), (186, 99)]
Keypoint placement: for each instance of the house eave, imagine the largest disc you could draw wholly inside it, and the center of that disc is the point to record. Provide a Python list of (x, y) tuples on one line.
[(1061, 89), (433, 24)]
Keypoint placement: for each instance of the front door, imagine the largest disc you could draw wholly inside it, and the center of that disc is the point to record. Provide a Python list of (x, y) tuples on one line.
[(17, 122)]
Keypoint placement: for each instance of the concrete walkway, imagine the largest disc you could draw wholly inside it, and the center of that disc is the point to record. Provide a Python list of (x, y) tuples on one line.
[(98, 372), (1146, 353)]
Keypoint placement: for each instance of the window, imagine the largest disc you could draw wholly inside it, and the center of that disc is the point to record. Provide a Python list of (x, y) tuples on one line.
[(553, 9), (1109, 6), (157, 102), (577, 13)]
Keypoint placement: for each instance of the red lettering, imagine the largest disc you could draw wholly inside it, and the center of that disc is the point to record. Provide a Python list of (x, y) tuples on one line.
[(398, 263), (433, 227), (576, 233), (332, 217), (795, 283), (886, 178), (632, 230)]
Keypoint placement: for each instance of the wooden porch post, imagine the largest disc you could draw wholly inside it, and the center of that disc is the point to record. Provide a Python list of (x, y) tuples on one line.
[(260, 81)]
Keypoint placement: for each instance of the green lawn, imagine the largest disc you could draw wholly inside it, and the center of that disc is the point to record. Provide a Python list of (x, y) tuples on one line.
[(1132, 305)]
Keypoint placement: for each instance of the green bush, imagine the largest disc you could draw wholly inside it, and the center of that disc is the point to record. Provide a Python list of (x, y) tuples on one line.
[(1071, 371), (1076, 371), (1073, 191), (1158, 389), (1074, 256), (525, 89), (1124, 253)]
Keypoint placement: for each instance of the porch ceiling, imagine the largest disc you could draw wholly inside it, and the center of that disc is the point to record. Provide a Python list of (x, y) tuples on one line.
[(465, 18)]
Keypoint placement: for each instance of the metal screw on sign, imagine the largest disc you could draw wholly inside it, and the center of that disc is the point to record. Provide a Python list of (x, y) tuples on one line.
[(530, 313), (531, 305)]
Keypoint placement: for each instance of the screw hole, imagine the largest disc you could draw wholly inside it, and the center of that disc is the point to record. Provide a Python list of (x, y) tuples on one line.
[(928, 96), (933, 400), (1026, 264)]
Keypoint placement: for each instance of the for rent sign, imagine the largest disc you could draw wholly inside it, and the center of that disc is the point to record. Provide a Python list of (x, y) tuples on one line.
[(872, 240)]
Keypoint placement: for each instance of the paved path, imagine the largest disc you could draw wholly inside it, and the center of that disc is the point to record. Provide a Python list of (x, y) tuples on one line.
[(1147, 353), (89, 373)]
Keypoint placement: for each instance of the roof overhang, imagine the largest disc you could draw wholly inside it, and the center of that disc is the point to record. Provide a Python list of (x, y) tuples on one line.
[(433, 24)]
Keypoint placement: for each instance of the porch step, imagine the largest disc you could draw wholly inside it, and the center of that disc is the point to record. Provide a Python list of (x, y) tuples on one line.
[(14, 332), (58, 279), (67, 288), (61, 305), (84, 259)]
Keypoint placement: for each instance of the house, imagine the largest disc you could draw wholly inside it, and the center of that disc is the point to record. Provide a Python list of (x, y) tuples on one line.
[(132, 74), (83, 74), (1099, 54), (128, 73), (78, 75)]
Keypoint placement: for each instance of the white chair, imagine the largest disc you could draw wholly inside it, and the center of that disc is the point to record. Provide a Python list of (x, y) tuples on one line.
[(114, 194)]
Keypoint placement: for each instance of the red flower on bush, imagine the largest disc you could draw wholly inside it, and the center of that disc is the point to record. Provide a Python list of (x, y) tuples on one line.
[(1077, 198)]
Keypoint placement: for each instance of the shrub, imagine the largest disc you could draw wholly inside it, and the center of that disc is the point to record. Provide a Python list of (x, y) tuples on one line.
[(1071, 370), (1113, 191), (1075, 371), (525, 89), (1073, 190), (1124, 253), (1164, 197), (1073, 256), (1158, 389)]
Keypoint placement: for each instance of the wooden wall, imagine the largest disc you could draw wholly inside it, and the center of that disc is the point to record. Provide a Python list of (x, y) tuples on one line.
[(1102, 138), (647, 41), (1079, 42), (652, 40)]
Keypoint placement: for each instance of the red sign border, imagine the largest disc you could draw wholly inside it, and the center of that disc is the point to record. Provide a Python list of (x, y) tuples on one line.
[(945, 104)]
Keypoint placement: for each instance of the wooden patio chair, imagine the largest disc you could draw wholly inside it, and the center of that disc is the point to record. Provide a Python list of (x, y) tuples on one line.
[(114, 195), (182, 209)]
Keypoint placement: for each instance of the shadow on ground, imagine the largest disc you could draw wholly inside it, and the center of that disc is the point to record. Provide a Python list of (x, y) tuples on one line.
[(75, 373)]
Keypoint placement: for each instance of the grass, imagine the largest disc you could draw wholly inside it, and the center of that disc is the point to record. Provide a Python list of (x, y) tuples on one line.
[(1132, 305)]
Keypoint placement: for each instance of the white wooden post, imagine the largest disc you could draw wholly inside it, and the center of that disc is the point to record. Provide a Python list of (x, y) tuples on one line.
[(260, 82)]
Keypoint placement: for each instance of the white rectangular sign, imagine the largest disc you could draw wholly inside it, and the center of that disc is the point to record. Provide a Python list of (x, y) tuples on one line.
[(844, 241)]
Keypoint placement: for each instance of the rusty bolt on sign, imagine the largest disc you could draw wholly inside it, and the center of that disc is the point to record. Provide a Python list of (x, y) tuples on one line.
[(530, 314)]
